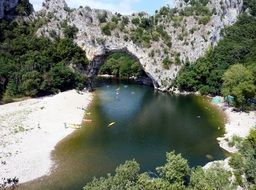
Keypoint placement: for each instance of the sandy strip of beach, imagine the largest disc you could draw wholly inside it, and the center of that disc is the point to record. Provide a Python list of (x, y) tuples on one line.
[(29, 131), (238, 124)]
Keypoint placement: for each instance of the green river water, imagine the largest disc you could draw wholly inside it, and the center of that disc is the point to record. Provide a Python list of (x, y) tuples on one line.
[(148, 124)]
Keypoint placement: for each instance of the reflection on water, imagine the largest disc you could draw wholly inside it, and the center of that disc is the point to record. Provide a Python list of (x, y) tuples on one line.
[(147, 125)]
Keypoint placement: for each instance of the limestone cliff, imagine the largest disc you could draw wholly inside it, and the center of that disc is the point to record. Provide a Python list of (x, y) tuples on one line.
[(168, 39)]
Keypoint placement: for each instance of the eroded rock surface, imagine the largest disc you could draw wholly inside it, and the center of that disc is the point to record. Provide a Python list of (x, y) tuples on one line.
[(190, 35)]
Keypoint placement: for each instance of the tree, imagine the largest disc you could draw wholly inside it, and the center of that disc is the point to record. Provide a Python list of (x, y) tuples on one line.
[(61, 78), (244, 162), (239, 82), (126, 176), (148, 183), (176, 170), (31, 83), (251, 4), (214, 178), (24, 8)]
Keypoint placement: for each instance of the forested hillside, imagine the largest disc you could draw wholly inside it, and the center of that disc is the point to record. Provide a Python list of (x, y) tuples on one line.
[(35, 66), (229, 68)]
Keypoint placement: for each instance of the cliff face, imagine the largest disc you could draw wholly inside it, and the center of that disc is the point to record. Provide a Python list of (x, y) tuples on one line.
[(189, 35), (7, 5)]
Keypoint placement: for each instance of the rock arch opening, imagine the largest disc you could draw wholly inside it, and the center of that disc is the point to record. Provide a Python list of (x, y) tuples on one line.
[(120, 64)]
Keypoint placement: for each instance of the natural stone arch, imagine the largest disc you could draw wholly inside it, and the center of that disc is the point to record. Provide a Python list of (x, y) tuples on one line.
[(152, 56), (98, 60), (97, 52)]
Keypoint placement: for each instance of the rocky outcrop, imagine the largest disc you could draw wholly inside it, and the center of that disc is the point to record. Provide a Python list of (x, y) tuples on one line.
[(6, 6), (190, 39)]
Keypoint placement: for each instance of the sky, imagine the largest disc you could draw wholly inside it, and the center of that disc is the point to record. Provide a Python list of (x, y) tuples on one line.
[(121, 6)]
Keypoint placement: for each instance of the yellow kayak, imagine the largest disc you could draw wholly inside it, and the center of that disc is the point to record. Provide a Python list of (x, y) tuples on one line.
[(112, 124), (75, 126)]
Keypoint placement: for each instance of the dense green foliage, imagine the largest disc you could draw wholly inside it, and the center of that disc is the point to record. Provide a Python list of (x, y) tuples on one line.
[(121, 65), (23, 8), (176, 174), (238, 47), (239, 82), (125, 178), (176, 170), (244, 162), (213, 178), (34, 66)]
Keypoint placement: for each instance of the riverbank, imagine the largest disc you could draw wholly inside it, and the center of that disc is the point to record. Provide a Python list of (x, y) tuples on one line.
[(29, 131), (238, 124)]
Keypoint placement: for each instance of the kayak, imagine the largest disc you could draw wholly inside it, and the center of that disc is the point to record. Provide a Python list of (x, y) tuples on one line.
[(112, 124), (75, 126)]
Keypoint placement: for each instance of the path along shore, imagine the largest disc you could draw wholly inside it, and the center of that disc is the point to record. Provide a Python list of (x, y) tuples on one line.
[(30, 130)]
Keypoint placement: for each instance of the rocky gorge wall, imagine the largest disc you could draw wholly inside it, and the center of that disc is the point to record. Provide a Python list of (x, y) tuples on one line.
[(7, 5), (189, 38)]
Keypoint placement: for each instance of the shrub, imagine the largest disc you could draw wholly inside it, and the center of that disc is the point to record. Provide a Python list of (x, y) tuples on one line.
[(204, 20), (166, 62), (102, 17), (136, 21), (70, 31), (107, 28), (125, 20)]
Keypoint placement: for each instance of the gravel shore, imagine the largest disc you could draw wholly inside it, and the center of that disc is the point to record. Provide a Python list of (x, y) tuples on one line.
[(29, 131)]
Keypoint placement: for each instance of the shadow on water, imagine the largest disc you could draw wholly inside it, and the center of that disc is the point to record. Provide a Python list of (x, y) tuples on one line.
[(148, 124)]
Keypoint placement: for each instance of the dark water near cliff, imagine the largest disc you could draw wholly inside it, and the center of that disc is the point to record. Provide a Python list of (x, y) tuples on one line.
[(148, 124)]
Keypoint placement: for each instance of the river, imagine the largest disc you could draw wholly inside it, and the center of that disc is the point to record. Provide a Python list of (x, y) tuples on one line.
[(146, 125)]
